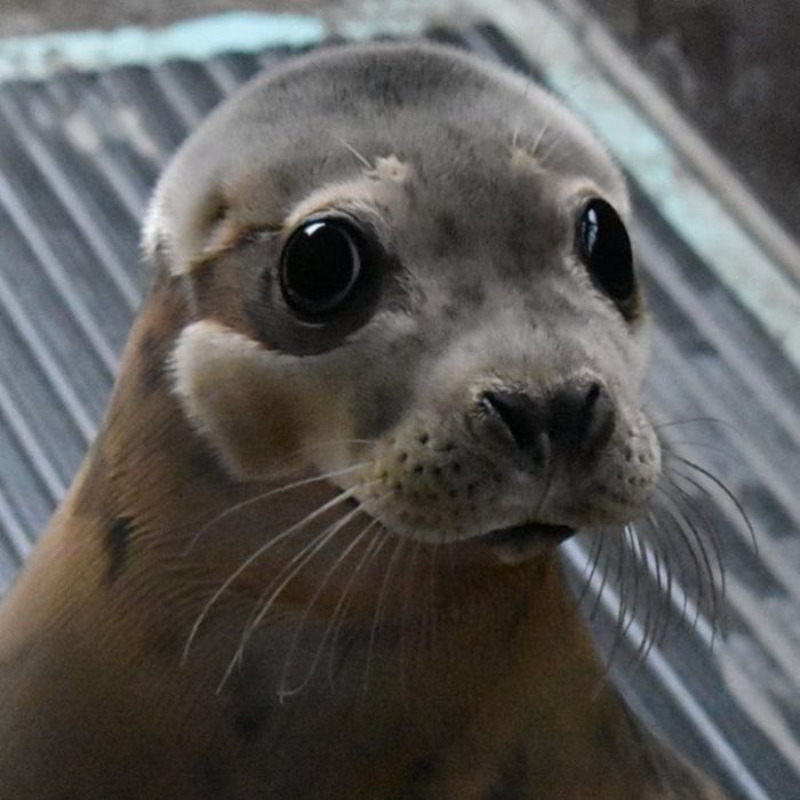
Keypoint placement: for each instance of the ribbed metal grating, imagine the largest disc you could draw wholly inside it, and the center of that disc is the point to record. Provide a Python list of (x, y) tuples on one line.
[(78, 157)]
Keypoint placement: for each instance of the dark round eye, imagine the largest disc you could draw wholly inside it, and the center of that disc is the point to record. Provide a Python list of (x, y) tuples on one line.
[(605, 249), (320, 267)]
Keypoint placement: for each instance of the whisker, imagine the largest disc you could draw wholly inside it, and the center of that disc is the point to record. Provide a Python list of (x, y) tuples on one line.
[(698, 545), (649, 617), (603, 581), (695, 420), (706, 585), (340, 498), (677, 525), (726, 491), (620, 580), (704, 445), (634, 543), (692, 504), (401, 542), (373, 550), (539, 137), (594, 559), (271, 594), (285, 692), (660, 530), (660, 602), (360, 156), (272, 493), (551, 149)]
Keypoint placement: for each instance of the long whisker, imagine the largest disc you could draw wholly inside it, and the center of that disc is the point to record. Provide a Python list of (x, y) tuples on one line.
[(621, 582), (285, 692), (340, 498), (666, 549), (651, 609), (693, 420), (360, 156), (677, 520), (690, 502), (379, 609), (591, 566), (271, 493), (539, 138), (371, 554), (271, 594), (698, 544), (726, 491), (706, 584)]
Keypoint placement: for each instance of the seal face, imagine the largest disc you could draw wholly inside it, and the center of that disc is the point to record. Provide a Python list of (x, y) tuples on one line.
[(429, 295)]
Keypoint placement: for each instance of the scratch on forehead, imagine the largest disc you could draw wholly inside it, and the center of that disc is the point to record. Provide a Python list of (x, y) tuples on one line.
[(390, 168), (362, 193)]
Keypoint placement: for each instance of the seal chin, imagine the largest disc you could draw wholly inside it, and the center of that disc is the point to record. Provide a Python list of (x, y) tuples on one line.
[(522, 542)]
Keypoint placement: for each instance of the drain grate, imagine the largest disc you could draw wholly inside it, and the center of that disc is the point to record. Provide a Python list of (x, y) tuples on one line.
[(79, 154)]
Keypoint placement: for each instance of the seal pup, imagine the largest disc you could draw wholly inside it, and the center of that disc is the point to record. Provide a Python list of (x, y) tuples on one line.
[(391, 358)]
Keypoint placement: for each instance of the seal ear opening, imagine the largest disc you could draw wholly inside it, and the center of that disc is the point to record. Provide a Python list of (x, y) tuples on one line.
[(175, 237)]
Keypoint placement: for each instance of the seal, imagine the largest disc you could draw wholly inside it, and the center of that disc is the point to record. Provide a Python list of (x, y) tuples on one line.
[(391, 358)]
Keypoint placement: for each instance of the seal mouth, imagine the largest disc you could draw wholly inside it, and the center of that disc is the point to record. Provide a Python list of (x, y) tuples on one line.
[(521, 542)]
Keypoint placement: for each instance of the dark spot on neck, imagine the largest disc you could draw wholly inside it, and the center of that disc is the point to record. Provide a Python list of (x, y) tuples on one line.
[(249, 724), (118, 540), (214, 776), (418, 778), (514, 780)]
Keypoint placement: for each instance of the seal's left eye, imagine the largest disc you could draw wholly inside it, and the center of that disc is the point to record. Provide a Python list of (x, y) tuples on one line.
[(605, 248), (320, 267)]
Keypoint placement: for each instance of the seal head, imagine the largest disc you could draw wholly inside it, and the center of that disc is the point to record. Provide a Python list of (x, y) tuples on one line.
[(415, 276)]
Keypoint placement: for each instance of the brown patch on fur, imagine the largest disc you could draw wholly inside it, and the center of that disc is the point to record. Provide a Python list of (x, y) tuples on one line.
[(215, 777), (118, 537), (514, 782), (249, 724), (152, 367), (420, 773)]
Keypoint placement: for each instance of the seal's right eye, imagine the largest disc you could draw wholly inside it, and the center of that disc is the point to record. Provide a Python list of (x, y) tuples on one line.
[(321, 267)]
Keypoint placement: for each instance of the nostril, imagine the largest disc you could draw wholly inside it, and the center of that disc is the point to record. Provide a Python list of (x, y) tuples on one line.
[(593, 395), (523, 417), (601, 417), (582, 417)]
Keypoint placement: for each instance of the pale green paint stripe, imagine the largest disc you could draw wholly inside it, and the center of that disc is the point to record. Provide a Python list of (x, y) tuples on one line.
[(40, 56), (697, 216), (36, 57)]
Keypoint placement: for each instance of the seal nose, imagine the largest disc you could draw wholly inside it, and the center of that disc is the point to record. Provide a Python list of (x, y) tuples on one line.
[(575, 419)]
